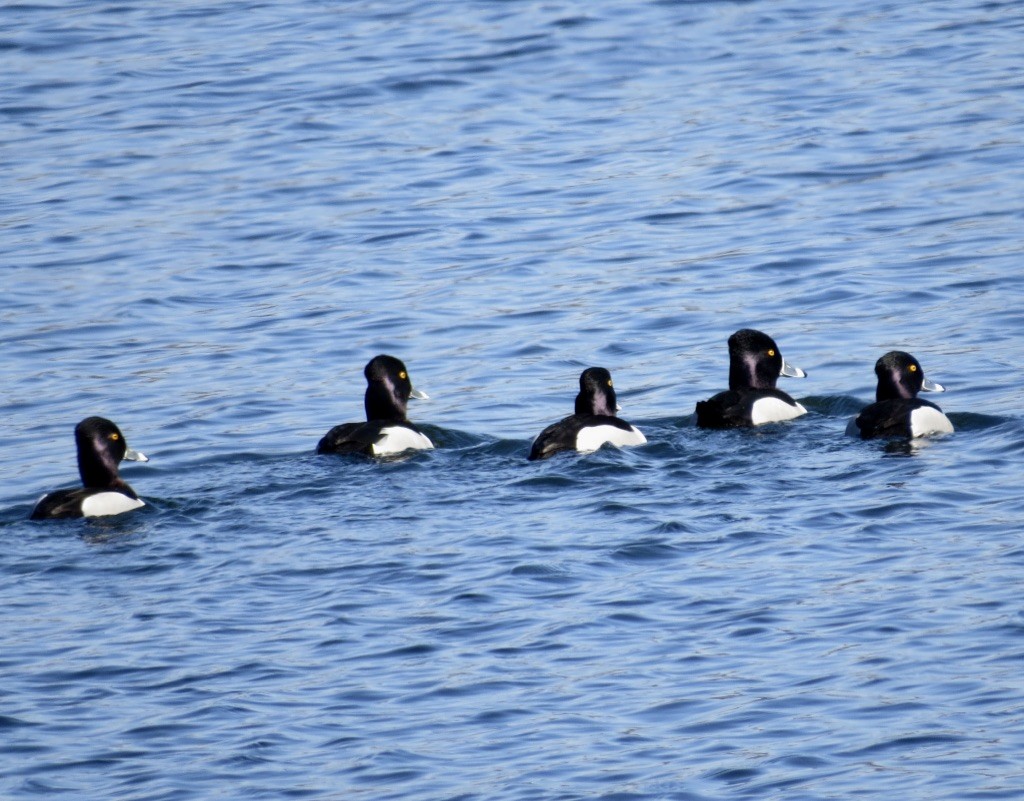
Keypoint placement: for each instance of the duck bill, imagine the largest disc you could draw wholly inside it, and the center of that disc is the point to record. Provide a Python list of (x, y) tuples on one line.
[(415, 393), (135, 456), (932, 386), (792, 371)]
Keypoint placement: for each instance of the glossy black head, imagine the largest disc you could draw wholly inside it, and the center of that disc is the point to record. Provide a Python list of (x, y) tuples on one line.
[(101, 447), (754, 360), (899, 376), (388, 389), (597, 394)]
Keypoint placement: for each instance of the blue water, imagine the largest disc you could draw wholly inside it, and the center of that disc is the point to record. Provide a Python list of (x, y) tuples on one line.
[(213, 214)]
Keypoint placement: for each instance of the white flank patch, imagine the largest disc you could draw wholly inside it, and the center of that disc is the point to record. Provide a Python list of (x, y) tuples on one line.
[(926, 420), (774, 410), (852, 429), (109, 503), (593, 437), (398, 439)]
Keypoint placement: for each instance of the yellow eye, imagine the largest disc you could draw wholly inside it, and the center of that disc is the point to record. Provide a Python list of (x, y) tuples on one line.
[(771, 351), (913, 368), (402, 374), (610, 382), (115, 437)]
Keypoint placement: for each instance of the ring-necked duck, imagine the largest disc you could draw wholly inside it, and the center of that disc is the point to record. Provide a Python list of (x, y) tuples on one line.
[(897, 411), (593, 424), (387, 431), (101, 447), (755, 364)]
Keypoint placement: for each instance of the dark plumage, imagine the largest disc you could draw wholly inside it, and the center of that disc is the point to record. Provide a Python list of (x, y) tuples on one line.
[(592, 425), (101, 447), (897, 411), (755, 364), (386, 431)]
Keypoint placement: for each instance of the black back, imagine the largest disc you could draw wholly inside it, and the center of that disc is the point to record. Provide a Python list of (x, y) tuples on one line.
[(61, 504), (561, 436), (733, 409), (889, 417), (358, 437)]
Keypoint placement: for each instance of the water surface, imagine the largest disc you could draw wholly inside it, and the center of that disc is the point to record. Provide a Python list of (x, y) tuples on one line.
[(214, 214)]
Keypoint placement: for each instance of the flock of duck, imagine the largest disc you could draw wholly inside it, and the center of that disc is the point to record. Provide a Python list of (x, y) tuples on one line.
[(752, 399)]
